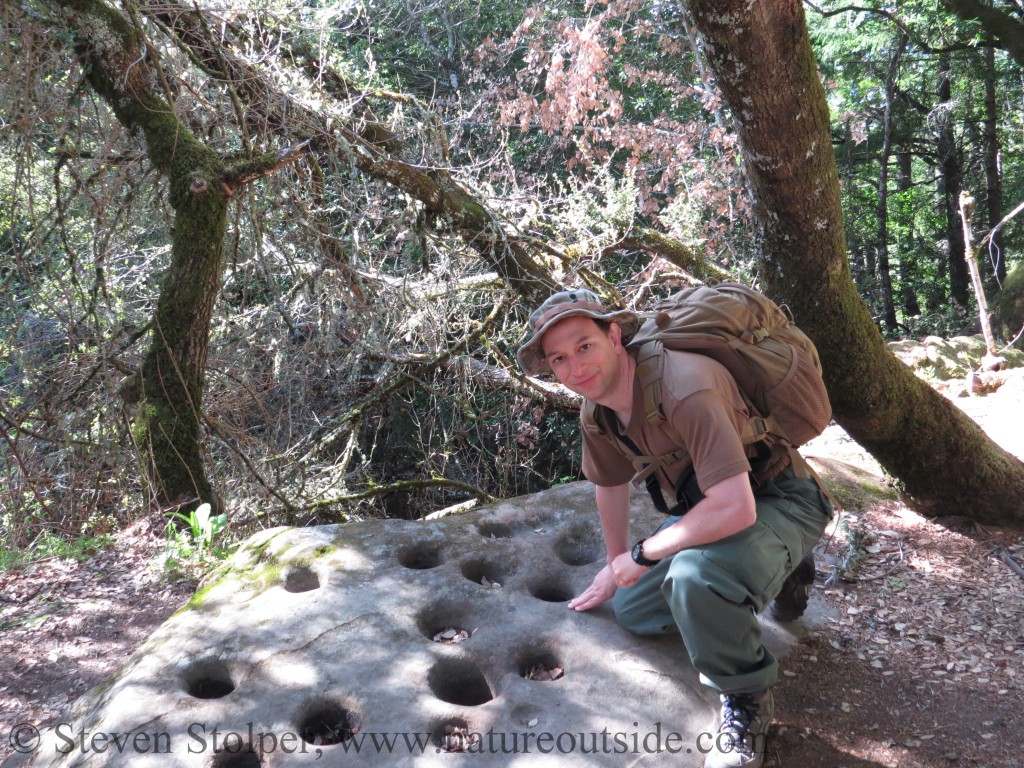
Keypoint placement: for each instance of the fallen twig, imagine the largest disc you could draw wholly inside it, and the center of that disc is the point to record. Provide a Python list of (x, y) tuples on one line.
[(1006, 558)]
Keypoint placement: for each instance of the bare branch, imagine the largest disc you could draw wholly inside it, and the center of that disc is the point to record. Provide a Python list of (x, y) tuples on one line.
[(674, 251), (1006, 219)]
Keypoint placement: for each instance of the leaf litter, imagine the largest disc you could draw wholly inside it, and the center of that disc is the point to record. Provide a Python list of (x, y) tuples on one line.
[(544, 673), (451, 635)]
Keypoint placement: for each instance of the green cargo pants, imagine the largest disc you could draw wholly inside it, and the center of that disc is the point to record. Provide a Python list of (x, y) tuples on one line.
[(710, 594)]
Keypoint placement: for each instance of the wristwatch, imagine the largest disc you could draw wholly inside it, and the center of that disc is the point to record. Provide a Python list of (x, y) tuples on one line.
[(638, 555)]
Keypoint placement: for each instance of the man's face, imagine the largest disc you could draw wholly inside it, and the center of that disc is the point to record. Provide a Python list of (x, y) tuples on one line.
[(583, 357)]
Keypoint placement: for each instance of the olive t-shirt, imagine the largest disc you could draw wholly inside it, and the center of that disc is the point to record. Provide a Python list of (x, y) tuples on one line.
[(701, 399)]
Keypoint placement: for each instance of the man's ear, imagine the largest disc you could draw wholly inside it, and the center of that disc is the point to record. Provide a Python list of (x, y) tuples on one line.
[(615, 334)]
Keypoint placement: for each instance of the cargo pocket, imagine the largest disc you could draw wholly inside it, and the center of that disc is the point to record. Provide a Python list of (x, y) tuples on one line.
[(751, 564)]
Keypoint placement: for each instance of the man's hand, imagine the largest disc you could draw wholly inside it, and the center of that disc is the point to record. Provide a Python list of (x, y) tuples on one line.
[(601, 589), (625, 571)]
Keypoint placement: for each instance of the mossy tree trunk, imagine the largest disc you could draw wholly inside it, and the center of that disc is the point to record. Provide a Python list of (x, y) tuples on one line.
[(167, 428), (768, 76)]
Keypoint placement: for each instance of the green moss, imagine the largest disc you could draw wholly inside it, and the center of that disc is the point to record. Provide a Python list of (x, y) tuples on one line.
[(198, 599), (105, 686), (260, 581), (1008, 304), (249, 577)]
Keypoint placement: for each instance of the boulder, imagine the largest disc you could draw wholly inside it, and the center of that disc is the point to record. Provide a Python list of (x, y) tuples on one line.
[(1008, 305), (935, 359), (442, 642)]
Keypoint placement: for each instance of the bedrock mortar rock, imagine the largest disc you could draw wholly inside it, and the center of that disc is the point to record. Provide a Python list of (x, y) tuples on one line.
[(316, 646)]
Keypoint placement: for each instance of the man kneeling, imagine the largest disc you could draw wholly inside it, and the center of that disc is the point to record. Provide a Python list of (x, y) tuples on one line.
[(705, 573)]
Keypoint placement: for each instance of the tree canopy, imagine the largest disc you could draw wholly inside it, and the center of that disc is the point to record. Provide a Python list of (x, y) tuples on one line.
[(277, 256)]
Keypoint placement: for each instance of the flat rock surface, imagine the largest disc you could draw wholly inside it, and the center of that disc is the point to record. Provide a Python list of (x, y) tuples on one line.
[(436, 642)]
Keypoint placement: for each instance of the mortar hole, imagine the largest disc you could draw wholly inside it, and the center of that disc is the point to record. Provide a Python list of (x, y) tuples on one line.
[(229, 758), (329, 723), (539, 664), (453, 735), (551, 592), (485, 572), (209, 679), (494, 530), (421, 557), (460, 682), (301, 579), (578, 547), (441, 618)]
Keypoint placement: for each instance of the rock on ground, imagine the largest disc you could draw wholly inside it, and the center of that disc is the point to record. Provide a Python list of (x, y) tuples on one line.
[(443, 641)]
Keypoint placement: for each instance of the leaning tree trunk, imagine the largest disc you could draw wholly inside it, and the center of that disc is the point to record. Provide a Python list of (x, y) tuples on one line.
[(170, 389), (768, 76), (367, 146)]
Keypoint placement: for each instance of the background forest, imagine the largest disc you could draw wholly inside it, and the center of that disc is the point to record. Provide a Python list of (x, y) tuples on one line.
[(398, 183)]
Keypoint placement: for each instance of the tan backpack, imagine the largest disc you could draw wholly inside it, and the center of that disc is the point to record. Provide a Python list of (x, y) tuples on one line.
[(775, 365)]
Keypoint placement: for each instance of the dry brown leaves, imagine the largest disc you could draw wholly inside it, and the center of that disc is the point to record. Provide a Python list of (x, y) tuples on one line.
[(452, 635), (66, 626), (543, 673), (948, 601), (458, 739)]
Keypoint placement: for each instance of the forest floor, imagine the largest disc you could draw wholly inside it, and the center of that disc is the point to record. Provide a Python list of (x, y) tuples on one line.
[(922, 665)]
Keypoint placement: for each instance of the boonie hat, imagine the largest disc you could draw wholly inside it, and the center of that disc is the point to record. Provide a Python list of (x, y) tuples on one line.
[(577, 303)]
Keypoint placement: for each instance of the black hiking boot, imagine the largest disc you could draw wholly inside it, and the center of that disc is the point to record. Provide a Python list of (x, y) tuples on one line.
[(791, 602), (742, 732)]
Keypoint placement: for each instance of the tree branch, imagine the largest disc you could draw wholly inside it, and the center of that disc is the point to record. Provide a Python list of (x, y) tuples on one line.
[(674, 251), (900, 24), (1007, 30), (443, 197), (1012, 214), (215, 427), (250, 169)]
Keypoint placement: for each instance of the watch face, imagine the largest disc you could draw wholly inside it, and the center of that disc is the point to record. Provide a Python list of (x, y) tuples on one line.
[(638, 553)]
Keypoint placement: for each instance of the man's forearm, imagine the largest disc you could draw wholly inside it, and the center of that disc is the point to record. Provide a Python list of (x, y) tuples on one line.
[(613, 509), (727, 507)]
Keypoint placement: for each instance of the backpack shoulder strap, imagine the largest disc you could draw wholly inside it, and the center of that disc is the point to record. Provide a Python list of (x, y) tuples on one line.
[(588, 418), (650, 370), (592, 418)]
